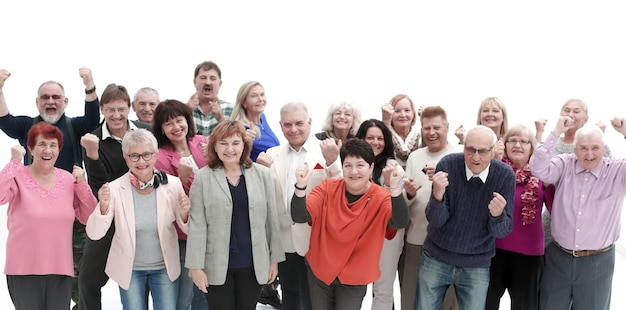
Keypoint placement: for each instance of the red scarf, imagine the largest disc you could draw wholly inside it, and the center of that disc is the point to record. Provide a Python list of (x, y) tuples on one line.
[(531, 191)]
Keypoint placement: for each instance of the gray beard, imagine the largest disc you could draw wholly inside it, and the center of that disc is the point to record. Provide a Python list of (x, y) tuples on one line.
[(51, 119)]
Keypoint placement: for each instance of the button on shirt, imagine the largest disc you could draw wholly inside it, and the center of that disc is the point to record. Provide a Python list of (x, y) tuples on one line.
[(586, 212)]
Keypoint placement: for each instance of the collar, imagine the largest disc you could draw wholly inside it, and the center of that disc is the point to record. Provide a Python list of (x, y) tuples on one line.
[(107, 134), (578, 168), (309, 144), (483, 175)]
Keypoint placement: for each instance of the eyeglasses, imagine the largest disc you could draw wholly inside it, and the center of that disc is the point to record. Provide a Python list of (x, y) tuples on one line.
[(46, 97), (515, 141), (135, 157), (113, 110), (481, 152)]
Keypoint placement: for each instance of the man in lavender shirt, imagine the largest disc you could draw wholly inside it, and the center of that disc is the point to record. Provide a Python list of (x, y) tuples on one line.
[(590, 192)]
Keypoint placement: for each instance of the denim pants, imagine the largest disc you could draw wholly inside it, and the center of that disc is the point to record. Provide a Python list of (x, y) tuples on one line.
[(471, 284), (164, 292)]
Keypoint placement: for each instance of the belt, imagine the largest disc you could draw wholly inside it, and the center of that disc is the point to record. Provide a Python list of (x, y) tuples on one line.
[(584, 253)]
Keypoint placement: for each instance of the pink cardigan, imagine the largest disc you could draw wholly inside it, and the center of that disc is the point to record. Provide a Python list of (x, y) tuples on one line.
[(40, 220)]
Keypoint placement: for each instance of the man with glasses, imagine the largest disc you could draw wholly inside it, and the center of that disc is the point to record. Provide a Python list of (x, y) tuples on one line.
[(51, 103), (104, 162), (470, 206)]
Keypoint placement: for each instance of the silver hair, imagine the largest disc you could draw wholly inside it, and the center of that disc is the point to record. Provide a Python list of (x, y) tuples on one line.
[(138, 137), (588, 131)]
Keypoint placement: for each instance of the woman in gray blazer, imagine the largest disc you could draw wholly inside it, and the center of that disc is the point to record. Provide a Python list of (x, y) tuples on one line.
[(233, 246)]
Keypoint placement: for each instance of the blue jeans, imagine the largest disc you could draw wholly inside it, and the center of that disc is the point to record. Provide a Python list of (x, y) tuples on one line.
[(164, 292), (189, 296), (435, 277)]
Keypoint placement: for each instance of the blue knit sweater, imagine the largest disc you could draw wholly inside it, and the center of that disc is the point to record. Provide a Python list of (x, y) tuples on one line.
[(461, 231)]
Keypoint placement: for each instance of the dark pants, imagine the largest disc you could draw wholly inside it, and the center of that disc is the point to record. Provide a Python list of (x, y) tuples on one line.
[(40, 291), (239, 292), (91, 276), (582, 282), (520, 275), (335, 296), (293, 283)]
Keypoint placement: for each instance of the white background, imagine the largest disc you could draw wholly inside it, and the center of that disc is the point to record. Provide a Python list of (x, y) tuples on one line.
[(532, 55)]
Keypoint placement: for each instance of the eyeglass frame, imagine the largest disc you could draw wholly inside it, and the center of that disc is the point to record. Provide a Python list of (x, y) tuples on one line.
[(521, 142), (481, 152), (134, 157)]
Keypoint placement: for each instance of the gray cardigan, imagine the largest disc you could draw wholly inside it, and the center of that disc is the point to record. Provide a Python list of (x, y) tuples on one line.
[(210, 219)]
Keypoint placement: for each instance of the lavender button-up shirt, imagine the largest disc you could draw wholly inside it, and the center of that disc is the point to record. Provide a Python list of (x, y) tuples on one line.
[(586, 212)]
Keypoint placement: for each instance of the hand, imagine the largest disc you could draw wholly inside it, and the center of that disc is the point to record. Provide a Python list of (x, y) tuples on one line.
[(440, 183), (4, 75), (85, 74), (460, 134), (498, 149), (251, 133), (540, 124), (330, 150), (104, 195), (387, 111), (395, 174), (496, 206), (429, 171), (619, 124), (420, 109), (18, 152), (78, 173), (265, 160), (602, 126), (199, 279), (91, 143), (562, 125), (184, 204), (273, 273), (216, 109), (302, 175), (410, 188), (184, 170)]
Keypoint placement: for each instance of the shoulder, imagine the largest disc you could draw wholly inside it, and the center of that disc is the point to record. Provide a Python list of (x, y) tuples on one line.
[(142, 125), (275, 150)]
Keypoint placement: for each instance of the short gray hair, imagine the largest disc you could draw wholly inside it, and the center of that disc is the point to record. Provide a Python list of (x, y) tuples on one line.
[(138, 137), (588, 131)]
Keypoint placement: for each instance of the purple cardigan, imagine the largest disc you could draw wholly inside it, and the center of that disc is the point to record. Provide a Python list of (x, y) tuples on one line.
[(527, 239)]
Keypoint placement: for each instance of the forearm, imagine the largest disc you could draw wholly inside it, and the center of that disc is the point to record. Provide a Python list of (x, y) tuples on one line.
[(399, 213), (299, 213), (4, 110)]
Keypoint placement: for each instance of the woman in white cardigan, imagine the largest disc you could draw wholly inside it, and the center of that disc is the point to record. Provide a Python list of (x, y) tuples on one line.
[(144, 203)]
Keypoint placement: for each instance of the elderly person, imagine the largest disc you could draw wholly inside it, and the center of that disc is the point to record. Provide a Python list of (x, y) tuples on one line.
[(491, 113), (399, 115), (234, 245), (518, 263), (144, 203), (180, 154), (43, 202), (378, 136), (420, 168), (249, 108), (145, 101), (470, 206), (341, 123), (586, 213), (349, 218)]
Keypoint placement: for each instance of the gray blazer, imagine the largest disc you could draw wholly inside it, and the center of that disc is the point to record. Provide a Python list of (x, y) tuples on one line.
[(210, 219)]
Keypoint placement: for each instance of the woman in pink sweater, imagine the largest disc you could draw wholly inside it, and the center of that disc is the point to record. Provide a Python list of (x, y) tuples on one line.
[(43, 201)]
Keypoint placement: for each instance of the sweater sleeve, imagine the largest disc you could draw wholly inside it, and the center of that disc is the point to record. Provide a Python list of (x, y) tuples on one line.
[(8, 187), (399, 213), (543, 164), (299, 213), (84, 201), (501, 226)]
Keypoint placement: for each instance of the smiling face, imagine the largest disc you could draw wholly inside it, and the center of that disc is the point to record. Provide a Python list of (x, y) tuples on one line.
[(51, 102), (176, 129), (403, 114), (435, 133), (144, 106), (478, 150), (296, 126), (577, 111), (45, 152), (208, 83), (343, 119), (375, 138), (229, 150), (116, 116), (518, 149), (492, 116), (357, 173), (255, 101), (589, 150), (143, 169)]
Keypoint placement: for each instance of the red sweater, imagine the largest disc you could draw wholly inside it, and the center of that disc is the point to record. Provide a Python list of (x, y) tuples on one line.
[(347, 238)]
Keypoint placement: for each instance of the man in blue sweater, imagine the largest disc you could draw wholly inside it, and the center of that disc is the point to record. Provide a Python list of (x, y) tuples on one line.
[(470, 206)]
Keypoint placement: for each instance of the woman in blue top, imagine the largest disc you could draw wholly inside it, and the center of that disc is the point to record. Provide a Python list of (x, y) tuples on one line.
[(248, 110)]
